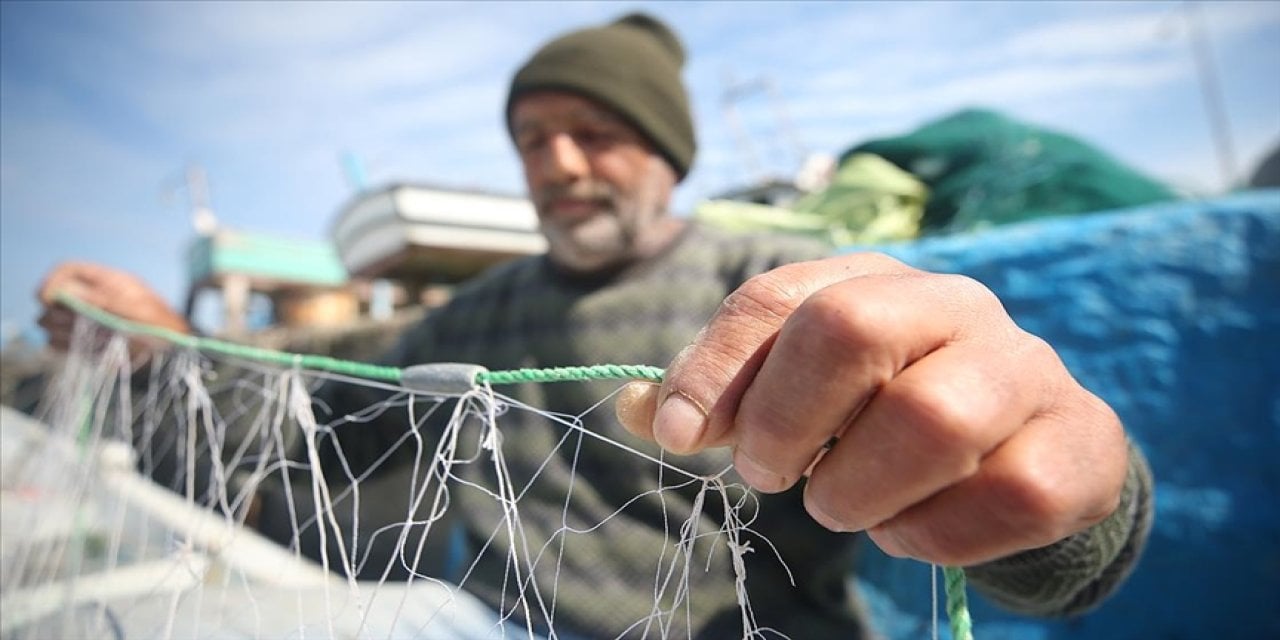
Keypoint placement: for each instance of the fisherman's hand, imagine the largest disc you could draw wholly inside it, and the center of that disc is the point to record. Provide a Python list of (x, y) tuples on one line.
[(955, 437), (111, 290)]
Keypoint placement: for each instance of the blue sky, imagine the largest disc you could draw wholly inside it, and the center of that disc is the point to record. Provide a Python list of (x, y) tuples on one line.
[(104, 105)]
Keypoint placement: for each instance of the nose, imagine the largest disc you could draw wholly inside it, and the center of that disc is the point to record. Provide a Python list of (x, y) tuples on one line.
[(565, 161)]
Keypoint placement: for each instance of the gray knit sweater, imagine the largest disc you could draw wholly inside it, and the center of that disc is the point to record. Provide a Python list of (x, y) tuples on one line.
[(604, 581)]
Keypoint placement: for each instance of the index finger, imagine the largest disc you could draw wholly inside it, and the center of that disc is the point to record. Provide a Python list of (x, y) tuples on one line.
[(75, 278), (705, 383)]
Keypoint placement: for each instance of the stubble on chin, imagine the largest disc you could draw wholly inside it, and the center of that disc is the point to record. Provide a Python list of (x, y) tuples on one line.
[(595, 243)]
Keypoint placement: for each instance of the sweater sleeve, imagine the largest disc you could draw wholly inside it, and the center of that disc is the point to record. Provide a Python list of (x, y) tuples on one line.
[(1075, 574)]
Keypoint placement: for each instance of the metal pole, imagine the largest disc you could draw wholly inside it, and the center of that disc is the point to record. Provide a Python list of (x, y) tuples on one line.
[(1211, 90)]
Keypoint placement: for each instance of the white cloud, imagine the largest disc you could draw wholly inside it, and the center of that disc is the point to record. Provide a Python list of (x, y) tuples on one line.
[(1094, 37), (230, 74), (1024, 85), (1234, 19), (202, 31), (1157, 29)]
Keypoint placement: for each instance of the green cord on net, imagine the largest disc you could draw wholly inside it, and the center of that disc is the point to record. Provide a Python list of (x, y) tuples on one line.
[(957, 603), (455, 379), (351, 367)]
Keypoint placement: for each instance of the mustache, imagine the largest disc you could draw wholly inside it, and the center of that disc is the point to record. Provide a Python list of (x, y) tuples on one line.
[(577, 191)]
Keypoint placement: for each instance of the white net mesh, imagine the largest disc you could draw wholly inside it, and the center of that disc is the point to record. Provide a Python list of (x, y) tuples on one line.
[(191, 501)]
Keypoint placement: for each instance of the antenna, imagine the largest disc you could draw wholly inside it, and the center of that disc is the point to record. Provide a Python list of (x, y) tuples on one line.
[(733, 92), (737, 91), (196, 184), (353, 169), (202, 217), (1211, 90), (800, 153)]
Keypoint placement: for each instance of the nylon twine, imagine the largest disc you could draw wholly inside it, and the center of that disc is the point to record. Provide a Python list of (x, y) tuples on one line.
[(957, 605)]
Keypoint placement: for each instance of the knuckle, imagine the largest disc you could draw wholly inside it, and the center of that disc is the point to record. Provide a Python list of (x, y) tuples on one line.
[(969, 290), (941, 545), (771, 293), (824, 502), (771, 427), (704, 363), (876, 262), (830, 315), (945, 422), (968, 298), (1034, 503), (828, 321), (1099, 507), (1029, 347)]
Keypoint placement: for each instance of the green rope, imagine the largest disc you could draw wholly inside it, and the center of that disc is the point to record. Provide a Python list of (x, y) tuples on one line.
[(306, 361), (560, 374), (351, 367), (957, 603)]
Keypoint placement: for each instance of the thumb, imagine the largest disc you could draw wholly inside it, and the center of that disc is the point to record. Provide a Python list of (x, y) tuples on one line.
[(704, 385)]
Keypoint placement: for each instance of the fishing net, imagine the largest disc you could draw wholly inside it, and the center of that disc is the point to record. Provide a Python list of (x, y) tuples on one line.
[(198, 498)]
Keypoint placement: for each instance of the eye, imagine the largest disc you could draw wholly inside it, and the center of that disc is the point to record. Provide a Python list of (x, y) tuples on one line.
[(595, 137), (530, 141)]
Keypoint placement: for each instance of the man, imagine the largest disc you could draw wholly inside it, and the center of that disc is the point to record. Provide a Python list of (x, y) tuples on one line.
[(854, 392)]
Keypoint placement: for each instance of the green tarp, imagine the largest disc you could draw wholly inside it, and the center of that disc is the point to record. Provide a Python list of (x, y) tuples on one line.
[(983, 168), (969, 170)]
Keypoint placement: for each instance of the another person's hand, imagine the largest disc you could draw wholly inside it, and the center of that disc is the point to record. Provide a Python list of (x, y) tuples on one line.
[(919, 410), (111, 290)]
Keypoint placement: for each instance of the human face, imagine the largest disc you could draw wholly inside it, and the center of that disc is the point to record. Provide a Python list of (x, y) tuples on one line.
[(600, 189)]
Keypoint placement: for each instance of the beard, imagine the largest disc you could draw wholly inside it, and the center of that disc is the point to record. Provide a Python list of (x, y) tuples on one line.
[(592, 224), (599, 232), (598, 242)]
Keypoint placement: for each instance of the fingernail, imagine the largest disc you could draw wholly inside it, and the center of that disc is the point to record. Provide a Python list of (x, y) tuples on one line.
[(679, 424), (756, 475)]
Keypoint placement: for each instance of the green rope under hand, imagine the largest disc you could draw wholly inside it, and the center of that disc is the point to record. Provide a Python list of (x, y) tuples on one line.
[(956, 601)]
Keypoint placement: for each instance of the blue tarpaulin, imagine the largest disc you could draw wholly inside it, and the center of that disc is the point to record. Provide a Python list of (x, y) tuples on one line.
[(1171, 313)]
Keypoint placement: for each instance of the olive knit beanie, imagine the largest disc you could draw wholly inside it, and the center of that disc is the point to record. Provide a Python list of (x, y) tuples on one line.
[(631, 66)]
